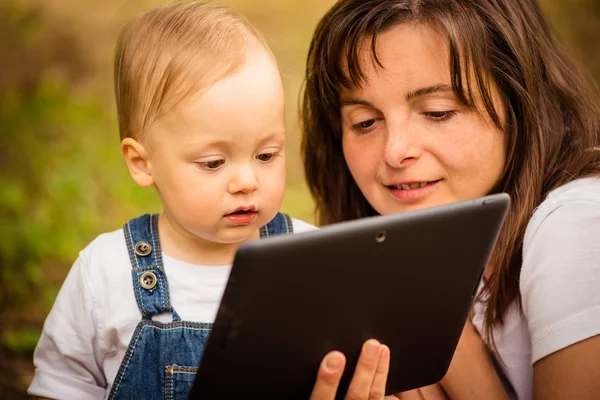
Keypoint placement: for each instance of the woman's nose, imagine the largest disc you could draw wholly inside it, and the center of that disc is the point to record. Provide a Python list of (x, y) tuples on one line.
[(401, 147)]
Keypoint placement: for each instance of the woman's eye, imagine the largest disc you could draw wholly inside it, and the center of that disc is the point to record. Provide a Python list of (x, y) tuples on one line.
[(264, 157), (438, 116), (364, 125), (213, 164)]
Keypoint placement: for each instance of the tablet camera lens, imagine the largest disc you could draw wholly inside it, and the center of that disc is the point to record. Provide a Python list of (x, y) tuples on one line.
[(380, 237)]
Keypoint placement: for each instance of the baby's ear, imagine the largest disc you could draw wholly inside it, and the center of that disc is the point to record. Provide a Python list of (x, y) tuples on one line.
[(136, 157)]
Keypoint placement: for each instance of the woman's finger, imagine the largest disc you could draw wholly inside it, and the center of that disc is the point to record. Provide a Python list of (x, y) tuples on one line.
[(414, 394), (328, 377), (366, 368), (381, 374), (431, 392)]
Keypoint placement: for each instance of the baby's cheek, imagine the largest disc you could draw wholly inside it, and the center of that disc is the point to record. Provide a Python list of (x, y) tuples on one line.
[(274, 189)]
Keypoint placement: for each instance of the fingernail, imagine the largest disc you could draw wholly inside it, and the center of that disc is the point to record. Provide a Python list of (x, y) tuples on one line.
[(371, 347), (333, 362), (385, 352)]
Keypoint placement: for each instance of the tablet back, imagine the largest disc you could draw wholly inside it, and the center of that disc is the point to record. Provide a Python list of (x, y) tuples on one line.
[(407, 279)]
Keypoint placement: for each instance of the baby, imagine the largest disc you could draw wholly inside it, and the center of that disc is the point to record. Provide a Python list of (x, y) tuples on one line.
[(201, 117)]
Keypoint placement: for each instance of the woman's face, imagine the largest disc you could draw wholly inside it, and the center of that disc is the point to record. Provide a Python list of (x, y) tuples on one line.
[(408, 141)]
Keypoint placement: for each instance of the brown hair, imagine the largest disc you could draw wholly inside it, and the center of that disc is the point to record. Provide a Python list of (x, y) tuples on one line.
[(551, 126), (169, 53)]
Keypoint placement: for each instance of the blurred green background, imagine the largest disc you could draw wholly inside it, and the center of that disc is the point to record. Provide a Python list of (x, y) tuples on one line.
[(62, 179)]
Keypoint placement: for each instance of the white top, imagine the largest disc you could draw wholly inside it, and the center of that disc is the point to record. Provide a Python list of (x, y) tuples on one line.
[(95, 314), (559, 285)]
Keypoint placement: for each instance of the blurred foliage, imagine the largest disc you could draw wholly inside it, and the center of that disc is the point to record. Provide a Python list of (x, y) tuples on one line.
[(59, 175), (22, 340), (577, 23), (62, 180)]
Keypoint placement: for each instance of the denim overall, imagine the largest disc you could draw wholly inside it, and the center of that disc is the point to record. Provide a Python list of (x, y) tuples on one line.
[(162, 358)]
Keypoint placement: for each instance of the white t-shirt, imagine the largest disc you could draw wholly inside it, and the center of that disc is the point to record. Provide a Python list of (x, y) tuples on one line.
[(559, 284), (95, 314)]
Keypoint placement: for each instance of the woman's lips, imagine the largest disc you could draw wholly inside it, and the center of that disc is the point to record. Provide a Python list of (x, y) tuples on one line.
[(412, 190)]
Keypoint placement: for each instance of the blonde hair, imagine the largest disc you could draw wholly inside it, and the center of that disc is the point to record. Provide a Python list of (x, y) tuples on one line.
[(171, 52)]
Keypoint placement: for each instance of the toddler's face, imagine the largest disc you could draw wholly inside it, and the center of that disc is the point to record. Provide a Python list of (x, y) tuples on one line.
[(218, 162)]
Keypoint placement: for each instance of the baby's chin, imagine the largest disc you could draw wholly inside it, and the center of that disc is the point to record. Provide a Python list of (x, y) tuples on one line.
[(234, 235)]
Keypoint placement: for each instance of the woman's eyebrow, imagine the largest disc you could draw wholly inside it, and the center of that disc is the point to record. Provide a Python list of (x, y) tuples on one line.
[(409, 96), (355, 102), (427, 90)]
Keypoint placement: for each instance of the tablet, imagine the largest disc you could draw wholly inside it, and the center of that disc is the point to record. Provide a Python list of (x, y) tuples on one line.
[(407, 280)]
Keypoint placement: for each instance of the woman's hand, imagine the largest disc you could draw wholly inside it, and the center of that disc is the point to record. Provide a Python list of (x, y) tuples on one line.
[(432, 392), (370, 376)]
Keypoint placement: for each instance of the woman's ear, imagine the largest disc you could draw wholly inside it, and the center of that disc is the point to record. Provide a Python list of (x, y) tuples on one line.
[(136, 157)]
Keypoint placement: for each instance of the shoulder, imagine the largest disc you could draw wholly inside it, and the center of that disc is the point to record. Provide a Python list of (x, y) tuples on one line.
[(565, 228), (108, 251), (301, 226), (561, 268), (576, 200), (96, 267), (104, 267), (104, 244)]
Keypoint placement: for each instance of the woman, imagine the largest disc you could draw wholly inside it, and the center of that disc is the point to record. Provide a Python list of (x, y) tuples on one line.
[(417, 103)]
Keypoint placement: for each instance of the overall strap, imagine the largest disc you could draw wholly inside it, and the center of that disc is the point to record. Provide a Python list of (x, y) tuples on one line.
[(149, 279), (280, 225)]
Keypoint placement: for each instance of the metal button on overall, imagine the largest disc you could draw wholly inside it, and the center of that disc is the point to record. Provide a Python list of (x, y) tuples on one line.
[(148, 280), (143, 249)]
